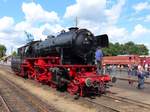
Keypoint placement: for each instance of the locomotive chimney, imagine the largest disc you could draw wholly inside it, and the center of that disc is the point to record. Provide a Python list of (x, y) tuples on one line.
[(73, 29)]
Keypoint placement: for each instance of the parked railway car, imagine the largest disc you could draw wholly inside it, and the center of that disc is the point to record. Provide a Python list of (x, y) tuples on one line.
[(122, 60), (145, 60), (126, 60), (65, 62)]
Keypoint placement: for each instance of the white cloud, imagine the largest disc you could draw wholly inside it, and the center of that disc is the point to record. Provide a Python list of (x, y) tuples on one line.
[(51, 29), (140, 35), (6, 31), (95, 11), (140, 31), (36, 21), (12, 39), (23, 25), (114, 13), (6, 23), (116, 34), (2, 34), (35, 13), (141, 6), (86, 9), (94, 27)]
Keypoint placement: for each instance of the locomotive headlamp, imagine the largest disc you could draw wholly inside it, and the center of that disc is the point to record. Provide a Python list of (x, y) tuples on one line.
[(88, 82), (85, 39)]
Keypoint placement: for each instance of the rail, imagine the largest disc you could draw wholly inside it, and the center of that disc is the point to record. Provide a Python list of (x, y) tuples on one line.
[(96, 103), (42, 106), (127, 100), (5, 104)]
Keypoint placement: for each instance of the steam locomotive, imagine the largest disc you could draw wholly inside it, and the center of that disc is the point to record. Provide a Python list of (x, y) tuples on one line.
[(65, 62)]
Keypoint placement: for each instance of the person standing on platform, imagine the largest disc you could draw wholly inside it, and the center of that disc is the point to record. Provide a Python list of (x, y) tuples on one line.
[(98, 59), (141, 79), (129, 75), (146, 67)]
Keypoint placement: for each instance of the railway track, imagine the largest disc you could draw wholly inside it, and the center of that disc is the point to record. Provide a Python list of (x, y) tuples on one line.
[(120, 104), (130, 101), (105, 108), (6, 107), (116, 104), (99, 104), (23, 101)]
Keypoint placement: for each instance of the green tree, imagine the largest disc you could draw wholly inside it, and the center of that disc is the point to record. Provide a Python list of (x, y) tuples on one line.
[(2, 50), (108, 51), (128, 48), (14, 53), (142, 49)]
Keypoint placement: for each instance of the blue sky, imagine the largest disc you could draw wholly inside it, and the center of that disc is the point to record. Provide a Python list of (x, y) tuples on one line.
[(13, 7), (122, 20)]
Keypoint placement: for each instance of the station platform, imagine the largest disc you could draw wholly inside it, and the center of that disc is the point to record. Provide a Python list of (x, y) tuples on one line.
[(123, 89), (138, 95), (132, 78), (123, 75)]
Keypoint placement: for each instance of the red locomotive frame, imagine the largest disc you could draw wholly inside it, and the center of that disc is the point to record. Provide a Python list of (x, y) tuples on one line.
[(84, 79)]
